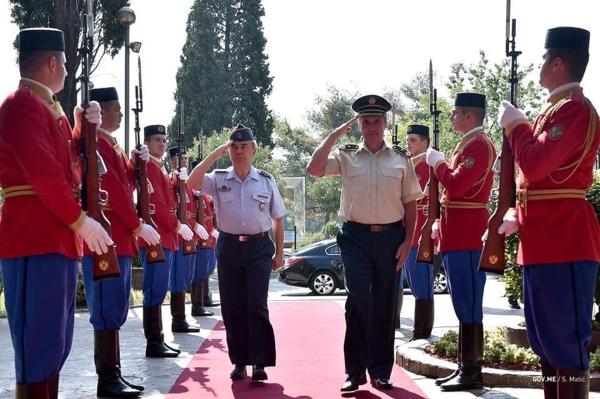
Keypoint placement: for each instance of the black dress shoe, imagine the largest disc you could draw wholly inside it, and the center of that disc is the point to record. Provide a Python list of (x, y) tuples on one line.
[(258, 373), (183, 327), (111, 386), (134, 386), (160, 349), (353, 382), (382, 383), (238, 372)]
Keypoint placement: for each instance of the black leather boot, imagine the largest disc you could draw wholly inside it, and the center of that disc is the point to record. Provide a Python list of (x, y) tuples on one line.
[(110, 384), (179, 324), (207, 297), (155, 343), (469, 376), (118, 346), (440, 381), (549, 380), (38, 390), (573, 384), (423, 319), (197, 301)]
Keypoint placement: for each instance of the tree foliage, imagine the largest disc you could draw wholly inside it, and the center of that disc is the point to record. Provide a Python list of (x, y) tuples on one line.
[(224, 74), (66, 16)]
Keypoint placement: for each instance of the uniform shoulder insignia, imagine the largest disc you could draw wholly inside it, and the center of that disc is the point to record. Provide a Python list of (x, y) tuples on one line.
[(401, 151), (349, 147), (220, 170), (265, 174)]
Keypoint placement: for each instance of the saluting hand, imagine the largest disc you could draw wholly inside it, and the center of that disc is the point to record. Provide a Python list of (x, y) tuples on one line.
[(402, 254), (344, 129), (222, 149)]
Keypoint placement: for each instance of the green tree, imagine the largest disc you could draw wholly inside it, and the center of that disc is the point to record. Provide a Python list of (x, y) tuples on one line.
[(296, 146), (331, 110), (65, 15), (224, 73)]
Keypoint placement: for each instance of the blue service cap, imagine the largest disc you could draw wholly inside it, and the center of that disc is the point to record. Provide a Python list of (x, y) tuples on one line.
[(241, 133)]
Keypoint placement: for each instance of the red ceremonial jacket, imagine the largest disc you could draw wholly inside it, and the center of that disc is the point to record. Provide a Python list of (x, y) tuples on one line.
[(164, 206), (557, 153), (118, 181), (422, 171), (40, 176), (209, 221), (467, 183)]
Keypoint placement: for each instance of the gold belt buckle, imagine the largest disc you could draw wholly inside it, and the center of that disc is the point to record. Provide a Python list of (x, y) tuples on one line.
[(242, 238), (376, 228)]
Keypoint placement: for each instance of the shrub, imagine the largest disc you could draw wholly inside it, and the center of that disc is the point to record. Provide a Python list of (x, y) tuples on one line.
[(330, 229)]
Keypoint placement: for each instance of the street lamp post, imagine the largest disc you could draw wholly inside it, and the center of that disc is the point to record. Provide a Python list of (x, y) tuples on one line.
[(126, 17)]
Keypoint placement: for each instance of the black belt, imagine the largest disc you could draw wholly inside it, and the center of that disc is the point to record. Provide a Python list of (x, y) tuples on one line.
[(243, 237), (375, 228)]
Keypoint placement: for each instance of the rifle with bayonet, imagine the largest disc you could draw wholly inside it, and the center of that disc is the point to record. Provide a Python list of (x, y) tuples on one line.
[(492, 257), (425, 249), (189, 247), (200, 205), (154, 253), (92, 195)]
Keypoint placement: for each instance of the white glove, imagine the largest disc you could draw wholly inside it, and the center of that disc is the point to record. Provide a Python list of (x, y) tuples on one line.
[(94, 235), (93, 114), (185, 232), (432, 157), (201, 231), (215, 234), (510, 223), (508, 113), (148, 234), (183, 175), (143, 153), (435, 230)]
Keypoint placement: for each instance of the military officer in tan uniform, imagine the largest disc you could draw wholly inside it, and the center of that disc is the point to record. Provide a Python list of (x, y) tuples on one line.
[(378, 206)]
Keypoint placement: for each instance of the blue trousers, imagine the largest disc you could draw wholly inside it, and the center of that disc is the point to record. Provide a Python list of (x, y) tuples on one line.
[(156, 278), (206, 261), (107, 299), (558, 308), (419, 275), (244, 272), (372, 281), (466, 284), (182, 271), (40, 302)]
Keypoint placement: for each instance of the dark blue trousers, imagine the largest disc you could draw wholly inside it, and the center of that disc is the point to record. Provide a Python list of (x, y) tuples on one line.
[(419, 276), (244, 272), (40, 302), (206, 261), (466, 284), (372, 281), (107, 299), (182, 271), (156, 278), (558, 302)]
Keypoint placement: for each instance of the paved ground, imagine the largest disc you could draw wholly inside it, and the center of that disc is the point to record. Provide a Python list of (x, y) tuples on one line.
[(78, 378)]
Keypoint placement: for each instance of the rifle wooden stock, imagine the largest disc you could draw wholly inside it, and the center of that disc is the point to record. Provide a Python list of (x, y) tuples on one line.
[(492, 257), (105, 265), (189, 246), (426, 244), (154, 253), (200, 220)]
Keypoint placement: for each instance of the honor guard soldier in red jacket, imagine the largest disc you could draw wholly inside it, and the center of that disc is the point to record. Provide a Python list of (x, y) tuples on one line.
[(156, 275), (378, 205), (420, 275), (206, 259), (108, 299), (248, 206), (467, 182), (558, 228), (183, 264), (42, 222)]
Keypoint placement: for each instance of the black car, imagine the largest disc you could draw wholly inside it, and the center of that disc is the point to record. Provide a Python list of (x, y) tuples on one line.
[(319, 267)]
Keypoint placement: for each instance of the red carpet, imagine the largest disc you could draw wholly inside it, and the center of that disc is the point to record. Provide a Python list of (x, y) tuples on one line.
[(310, 361)]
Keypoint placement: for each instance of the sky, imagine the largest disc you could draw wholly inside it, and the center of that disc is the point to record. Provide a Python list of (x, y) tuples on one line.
[(351, 44)]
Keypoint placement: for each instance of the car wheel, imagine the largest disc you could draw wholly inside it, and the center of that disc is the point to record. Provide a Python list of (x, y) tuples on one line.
[(440, 283), (323, 283)]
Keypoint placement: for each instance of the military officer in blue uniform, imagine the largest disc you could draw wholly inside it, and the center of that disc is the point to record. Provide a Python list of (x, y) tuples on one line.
[(248, 206), (378, 206)]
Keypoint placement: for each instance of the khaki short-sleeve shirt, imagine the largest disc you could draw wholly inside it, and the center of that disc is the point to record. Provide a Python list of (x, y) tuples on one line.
[(374, 185)]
